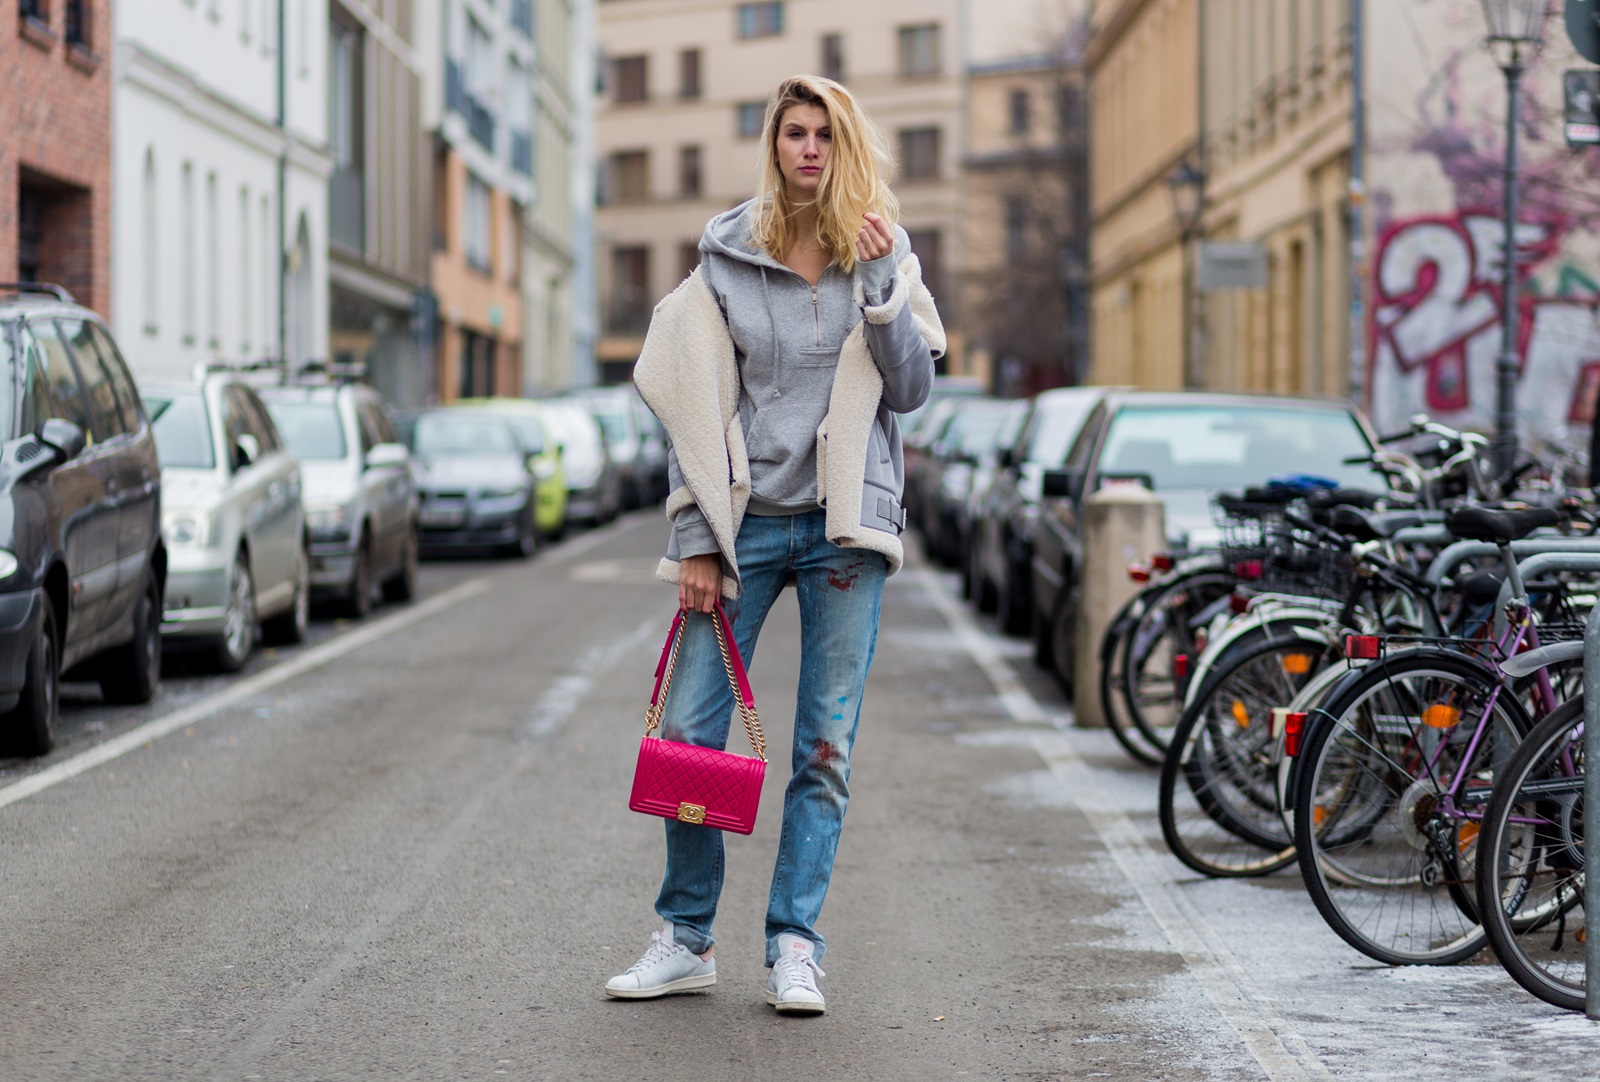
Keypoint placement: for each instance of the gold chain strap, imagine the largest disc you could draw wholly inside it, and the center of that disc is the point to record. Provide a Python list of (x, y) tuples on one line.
[(752, 723)]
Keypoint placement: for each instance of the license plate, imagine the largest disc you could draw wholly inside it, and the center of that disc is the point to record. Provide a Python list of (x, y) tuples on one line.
[(441, 518)]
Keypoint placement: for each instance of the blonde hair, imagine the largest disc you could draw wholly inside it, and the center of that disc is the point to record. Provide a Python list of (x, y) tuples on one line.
[(855, 180)]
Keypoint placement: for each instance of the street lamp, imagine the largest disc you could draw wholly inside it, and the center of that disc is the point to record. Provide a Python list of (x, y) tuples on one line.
[(1187, 186), (1516, 33)]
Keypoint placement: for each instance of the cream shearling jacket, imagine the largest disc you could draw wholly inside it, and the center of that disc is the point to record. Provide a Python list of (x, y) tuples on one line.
[(688, 375)]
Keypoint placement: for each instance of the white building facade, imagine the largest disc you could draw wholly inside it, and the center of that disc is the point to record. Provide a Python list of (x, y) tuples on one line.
[(220, 182)]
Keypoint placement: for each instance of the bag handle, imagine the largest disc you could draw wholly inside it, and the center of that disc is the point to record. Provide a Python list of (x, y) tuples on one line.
[(732, 663)]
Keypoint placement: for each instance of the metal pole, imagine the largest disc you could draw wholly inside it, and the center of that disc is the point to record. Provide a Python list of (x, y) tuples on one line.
[(1357, 199), (1506, 368), (1591, 815)]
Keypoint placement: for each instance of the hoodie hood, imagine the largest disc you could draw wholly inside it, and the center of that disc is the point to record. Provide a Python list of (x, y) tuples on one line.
[(728, 235)]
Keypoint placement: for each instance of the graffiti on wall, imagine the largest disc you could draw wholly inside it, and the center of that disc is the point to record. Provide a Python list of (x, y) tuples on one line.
[(1436, 323)]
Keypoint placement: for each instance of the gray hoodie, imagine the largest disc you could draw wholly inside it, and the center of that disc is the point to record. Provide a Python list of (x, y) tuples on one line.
[(786, 337)]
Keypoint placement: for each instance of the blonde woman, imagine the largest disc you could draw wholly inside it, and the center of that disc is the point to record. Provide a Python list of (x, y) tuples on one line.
[(777, 370)]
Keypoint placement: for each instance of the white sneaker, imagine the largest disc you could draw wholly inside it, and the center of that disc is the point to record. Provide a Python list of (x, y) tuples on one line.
[(667, 967), (792, 988)]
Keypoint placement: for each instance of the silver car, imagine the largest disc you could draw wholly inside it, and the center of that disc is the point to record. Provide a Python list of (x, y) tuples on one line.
[(361, 502), (594, 485), (232, 519)]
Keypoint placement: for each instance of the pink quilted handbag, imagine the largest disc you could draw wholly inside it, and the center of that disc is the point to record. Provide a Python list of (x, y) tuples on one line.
[(698, 785)]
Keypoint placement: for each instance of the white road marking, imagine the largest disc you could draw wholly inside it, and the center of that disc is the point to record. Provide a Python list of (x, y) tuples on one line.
[(561, 698), (1282, 1053), (165, 725)]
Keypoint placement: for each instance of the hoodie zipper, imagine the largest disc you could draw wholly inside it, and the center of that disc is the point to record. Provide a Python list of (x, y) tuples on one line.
[(816, 317)]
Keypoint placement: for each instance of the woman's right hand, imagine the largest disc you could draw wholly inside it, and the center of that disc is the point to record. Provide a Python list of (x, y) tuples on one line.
[(699, 582)]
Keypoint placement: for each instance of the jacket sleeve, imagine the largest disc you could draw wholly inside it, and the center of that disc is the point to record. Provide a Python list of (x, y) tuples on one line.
[(691, 534), (898, 349)]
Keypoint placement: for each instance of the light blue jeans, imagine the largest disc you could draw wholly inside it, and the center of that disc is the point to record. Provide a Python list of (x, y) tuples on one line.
[(840, 591)]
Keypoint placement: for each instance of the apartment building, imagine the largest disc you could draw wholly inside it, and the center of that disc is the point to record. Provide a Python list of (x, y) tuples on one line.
[(221, 183), (379, 198), (478, 106), (55, 147), (1145, 124), (678, 130)]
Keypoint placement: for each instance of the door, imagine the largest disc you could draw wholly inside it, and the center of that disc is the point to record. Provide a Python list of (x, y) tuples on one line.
[(271, 483), (80, 492)]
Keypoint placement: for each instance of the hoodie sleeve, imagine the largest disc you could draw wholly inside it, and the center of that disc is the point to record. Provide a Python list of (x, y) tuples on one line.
[(898, 349), (691, 534)]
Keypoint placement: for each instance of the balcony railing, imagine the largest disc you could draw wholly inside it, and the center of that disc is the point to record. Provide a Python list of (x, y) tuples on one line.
[(522, 16), (522, 153), (347, 208)]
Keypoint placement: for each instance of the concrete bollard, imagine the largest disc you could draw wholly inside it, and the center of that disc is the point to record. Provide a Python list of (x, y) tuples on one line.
[(1122, 523)]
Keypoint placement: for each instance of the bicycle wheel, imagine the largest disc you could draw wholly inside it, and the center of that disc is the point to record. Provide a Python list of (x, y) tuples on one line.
[(1218, 802), (1113, 705), (1170, 625), (1530, 869), (1388, 804)]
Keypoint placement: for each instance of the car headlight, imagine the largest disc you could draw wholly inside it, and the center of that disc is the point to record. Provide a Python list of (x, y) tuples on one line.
[(185, 530), (500, 495), (8, 564)]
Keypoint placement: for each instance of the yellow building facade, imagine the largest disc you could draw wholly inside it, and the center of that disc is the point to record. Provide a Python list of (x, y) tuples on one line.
[(1145, 122)]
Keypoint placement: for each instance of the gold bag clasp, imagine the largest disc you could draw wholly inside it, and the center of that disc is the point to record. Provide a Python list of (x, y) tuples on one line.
[(691, 813)]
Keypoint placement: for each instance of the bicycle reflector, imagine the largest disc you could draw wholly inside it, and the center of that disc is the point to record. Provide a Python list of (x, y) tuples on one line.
[(1138, 572), (1162, 561), (1249, 570), (1180, 667), (1294, 729), (1362, 647), (1297, 664), (1441, 716), (1238, 603)]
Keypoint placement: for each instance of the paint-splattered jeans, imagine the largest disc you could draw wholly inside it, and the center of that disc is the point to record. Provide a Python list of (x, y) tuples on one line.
[(840, 590)]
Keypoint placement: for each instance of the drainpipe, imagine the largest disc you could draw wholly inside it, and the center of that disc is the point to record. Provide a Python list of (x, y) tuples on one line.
[(1360, 393), (283, 191)]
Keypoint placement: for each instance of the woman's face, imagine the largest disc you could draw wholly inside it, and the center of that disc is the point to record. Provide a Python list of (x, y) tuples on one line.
[(804, 139)]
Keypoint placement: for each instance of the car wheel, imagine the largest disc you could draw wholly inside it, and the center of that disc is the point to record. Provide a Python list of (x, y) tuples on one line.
[(30, 727), (288, 628), (527, 536), (983, 591), (1011, 610), (358, 598), (133, 672), (403, 586), (238, 638), (1063, 644)]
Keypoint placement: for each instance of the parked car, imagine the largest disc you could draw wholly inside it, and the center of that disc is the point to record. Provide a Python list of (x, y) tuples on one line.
[(1185, 447), (594, 487), (1002, 530), (82, 562), (953, 460), (653, 454), (235, 528), (360, 498), (613, 407), (528, 420), (473, 483)]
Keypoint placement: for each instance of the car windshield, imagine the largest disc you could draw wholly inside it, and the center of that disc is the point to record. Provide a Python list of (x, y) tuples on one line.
[(530, 433), (1206, 447), (1056, 426), (975, 425), (445, 435), (311, 430), (182, 430), (580, 438)]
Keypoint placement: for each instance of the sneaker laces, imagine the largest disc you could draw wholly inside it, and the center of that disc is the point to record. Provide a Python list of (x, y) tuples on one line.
[(661, 948), (801, 969)]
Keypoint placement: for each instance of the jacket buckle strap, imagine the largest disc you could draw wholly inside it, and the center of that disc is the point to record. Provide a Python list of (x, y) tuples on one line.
[(891, 512)]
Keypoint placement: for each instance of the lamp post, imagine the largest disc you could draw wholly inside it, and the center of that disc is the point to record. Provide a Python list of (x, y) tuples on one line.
[(1516, 33), (1187, 186)]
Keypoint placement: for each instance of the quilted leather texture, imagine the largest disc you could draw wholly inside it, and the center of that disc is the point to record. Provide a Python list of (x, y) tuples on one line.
[(728, 786)]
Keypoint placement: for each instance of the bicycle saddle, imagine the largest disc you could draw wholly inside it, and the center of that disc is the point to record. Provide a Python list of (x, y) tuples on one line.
[(1371, 525), (1498, 527)]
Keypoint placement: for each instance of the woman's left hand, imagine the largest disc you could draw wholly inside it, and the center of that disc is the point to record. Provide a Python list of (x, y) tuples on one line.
[(875, 239)]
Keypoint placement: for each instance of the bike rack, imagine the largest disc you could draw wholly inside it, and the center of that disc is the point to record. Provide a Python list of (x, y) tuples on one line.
[(1454, 556), (1591, 815)]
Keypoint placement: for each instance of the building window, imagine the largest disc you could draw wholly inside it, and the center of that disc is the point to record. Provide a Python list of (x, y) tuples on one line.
[(477, 364), (689, 172), (688, 257), (1021, 112), (630, 176), (213, 264), (519, 116), (629, 311), (631, 78), (919, 153), (481, 81), (522, 16), (150, 239), (34, 9), (925, 246), (833, 57), (750, 116), (919, 51), (476, 229), (760, 20), (78, 23), (346, 186), (689, 74), (188, 276), (1016, 228), (245, 296)]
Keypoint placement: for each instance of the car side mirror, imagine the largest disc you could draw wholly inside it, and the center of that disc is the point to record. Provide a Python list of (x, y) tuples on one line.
[(1065, 483), (246, 449), (66, 438), (387, 454), (1005, 458)]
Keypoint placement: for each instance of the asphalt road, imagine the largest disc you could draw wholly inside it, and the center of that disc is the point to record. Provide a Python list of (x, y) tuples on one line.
[(403, 851)]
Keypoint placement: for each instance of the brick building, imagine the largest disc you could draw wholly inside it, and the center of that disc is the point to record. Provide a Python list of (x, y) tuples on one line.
[(55, 147)]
